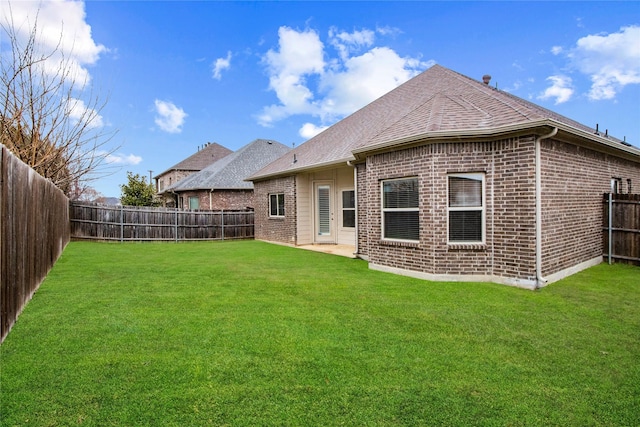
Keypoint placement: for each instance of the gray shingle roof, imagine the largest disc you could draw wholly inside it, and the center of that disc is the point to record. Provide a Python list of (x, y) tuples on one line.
[(437, 101), (211, 153), (230, 172)]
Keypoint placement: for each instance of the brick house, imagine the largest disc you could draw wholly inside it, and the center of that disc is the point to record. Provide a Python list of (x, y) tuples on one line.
[(210, 153), (222, 185), (447, 178)]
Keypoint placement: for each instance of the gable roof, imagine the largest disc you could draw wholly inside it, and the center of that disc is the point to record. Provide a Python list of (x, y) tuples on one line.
[(231, 172), (438, 103), (211, 153)]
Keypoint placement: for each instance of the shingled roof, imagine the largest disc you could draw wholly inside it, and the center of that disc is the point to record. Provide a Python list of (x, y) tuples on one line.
[(437, 103), (211, 153), (230, 172)]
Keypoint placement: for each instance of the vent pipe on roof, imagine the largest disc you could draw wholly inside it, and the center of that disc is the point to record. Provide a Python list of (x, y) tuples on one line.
[(486, 79)]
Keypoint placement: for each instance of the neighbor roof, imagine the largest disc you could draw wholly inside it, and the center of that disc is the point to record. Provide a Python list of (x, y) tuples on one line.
[(230, 172), (211, 153), (436, 103)]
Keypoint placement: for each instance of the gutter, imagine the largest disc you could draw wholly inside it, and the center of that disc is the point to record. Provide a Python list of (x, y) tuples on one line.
[(540, 281)]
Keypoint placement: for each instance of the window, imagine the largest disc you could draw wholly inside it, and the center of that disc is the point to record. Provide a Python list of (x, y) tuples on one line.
[(400, 214), (616, 185), (194, 203), (349, 208), (629, 186), (466, 208), (276, 204)]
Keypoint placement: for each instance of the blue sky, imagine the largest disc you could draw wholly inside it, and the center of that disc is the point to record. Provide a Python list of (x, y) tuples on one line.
[(177, 75)]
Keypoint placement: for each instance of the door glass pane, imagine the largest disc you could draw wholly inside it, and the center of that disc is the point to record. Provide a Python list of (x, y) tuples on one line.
[(324, 213)]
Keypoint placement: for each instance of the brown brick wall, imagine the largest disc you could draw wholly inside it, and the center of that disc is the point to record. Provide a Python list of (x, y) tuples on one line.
[(509, 249), (275, 229), (171, 178), (573, 181), (220, 199), (361, 212)]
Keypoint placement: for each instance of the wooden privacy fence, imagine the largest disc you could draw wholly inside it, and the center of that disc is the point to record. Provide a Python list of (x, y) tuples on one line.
[(34, 230), (621, 237), (132, 223)]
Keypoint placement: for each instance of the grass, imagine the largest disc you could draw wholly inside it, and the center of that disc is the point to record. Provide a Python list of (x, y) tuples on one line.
[(248, 333)]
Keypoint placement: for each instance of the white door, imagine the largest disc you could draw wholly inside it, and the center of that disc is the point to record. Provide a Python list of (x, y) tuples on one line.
[(324, 224)]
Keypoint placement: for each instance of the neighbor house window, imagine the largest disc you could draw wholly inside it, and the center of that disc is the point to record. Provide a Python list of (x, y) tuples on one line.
[(276, 204), (616, 185), (466, 208), (349, 208), (400, 213), (194, 203)]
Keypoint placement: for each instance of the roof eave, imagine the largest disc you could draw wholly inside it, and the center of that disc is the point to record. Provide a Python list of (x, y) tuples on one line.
[(296, 170), (537, 127)]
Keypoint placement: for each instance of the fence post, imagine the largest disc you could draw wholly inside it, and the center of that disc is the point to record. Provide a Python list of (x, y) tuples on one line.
[(176, 226), (610, 225), (121, 223), (222, 221)]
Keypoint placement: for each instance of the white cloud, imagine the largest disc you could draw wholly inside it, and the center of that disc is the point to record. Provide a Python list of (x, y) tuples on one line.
[(300, 56), (557, 50), (309, 130), (170, 118), (560, 89), (308, 80), (365, 78), (345, 43), (79, 112), (612, 61), (61, 27), (123, 159), (221, 64)]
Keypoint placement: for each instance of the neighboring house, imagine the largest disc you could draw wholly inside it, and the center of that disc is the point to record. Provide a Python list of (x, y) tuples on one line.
[(223, 185), (447, 178), (210, 153)]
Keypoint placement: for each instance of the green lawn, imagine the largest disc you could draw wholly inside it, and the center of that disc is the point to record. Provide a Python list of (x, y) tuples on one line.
[(248, 333)]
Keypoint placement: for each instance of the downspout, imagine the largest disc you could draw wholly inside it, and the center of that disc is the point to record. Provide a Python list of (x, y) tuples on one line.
[(540, 281), (355, 196)]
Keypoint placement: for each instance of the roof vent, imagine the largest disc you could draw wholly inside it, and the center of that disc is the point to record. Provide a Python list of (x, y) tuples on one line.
[(486, 79)]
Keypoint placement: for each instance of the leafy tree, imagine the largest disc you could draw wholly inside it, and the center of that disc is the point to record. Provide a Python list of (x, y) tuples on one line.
[(43, 120), (137, 192)]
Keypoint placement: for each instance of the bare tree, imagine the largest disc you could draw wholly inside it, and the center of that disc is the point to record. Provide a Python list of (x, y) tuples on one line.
[(50, 119)]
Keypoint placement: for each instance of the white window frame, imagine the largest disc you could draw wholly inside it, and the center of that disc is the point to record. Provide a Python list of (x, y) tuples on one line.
[(343, 209), (477, 176), (384, 210), (278, 213)]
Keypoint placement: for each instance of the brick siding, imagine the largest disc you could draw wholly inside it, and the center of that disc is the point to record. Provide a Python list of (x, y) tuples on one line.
[(573, 180), (509, 247), (275, 229), (220, 199)]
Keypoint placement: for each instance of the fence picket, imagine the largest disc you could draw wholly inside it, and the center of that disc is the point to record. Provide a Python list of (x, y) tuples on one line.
[(621, 225), (92, 221)]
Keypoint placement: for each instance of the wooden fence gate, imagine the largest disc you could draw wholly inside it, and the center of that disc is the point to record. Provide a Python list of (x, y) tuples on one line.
[(621, 225), (133, 223)]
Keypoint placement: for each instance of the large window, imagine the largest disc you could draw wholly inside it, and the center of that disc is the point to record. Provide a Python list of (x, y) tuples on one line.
[(276, 204), (349, 208), (400, 213), (466, 208)]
